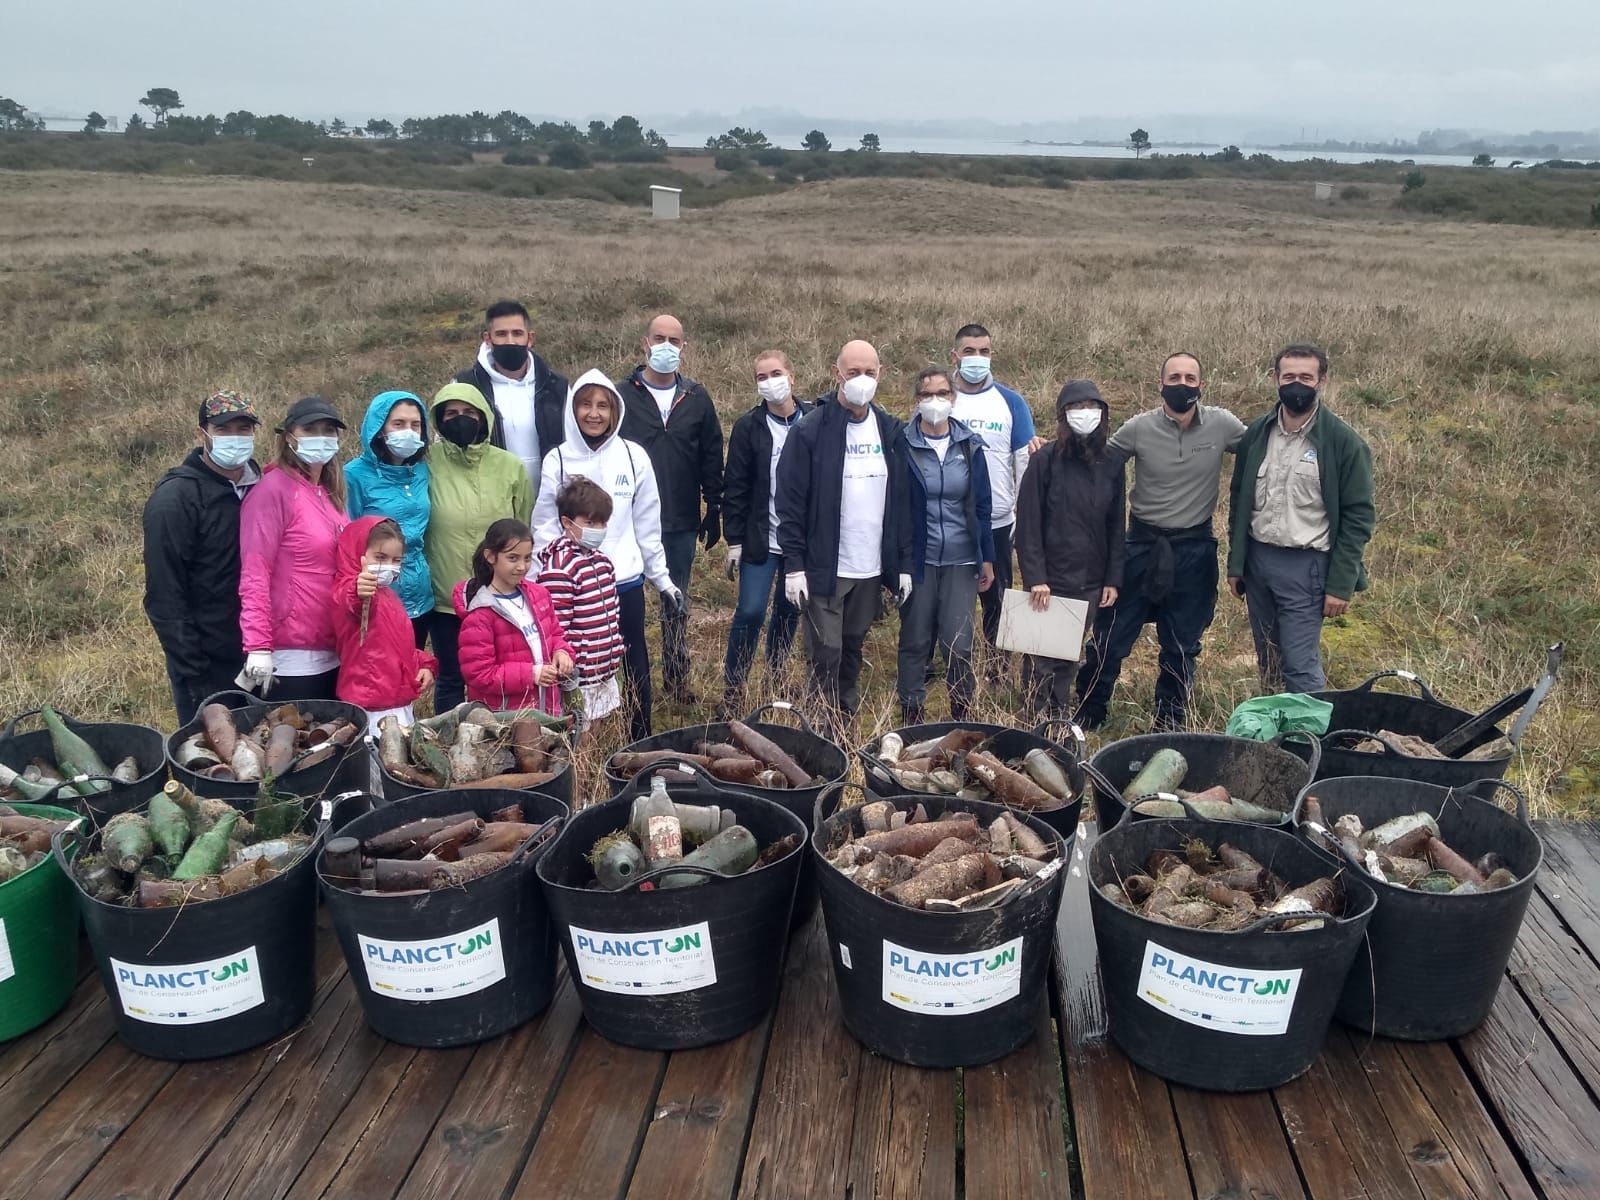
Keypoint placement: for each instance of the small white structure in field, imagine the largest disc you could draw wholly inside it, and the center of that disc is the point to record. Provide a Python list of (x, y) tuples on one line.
[(664, 202), (309, 161), (1324, 191)]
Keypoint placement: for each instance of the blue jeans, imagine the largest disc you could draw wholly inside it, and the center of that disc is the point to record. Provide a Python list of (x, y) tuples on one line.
[(756, 582)]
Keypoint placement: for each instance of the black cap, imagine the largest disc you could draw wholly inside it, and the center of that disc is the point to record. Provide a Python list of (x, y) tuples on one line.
[(1077, 390), (307, 410)]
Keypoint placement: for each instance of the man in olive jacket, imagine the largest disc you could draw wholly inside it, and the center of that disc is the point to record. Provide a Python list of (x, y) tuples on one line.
[(1301, 515)]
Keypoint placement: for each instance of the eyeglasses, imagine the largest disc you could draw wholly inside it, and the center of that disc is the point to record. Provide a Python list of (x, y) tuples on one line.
[(943, 394)]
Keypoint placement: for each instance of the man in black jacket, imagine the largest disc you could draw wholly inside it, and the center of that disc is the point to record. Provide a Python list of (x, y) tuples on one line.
[(836, 527), (672, 417), (528, 398), (191, 553)]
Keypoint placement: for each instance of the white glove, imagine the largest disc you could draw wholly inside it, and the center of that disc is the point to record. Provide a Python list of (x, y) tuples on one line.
[(671, 600), (735, 553), (903, 593), (794, 588), (257, 673)]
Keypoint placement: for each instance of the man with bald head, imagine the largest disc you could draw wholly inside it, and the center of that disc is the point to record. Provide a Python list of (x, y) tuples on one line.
[(1170, 573), (835, 526), (672, 417)]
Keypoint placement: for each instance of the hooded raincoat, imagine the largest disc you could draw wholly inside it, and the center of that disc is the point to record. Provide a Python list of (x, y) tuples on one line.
[(399, 491), (622, 468), (469, 490), (377, 669)]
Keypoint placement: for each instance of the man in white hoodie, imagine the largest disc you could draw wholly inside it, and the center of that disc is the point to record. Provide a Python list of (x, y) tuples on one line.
[(527, 397), (593, 448)]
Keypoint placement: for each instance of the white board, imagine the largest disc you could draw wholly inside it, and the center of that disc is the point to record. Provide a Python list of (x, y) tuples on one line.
[(1055, 633)]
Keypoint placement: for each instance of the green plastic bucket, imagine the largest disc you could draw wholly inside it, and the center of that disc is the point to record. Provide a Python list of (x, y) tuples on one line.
[(38, 939)]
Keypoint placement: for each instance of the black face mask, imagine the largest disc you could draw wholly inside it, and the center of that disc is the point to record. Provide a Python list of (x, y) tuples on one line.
[(1179, 397), (1297, 397), (463, 429), (509, 356)]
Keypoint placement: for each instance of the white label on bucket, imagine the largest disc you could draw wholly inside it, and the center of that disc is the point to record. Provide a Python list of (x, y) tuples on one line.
[(951, 985), (7, 968), (190, 993), (656, 963), (440, 968), (1246, 1000)]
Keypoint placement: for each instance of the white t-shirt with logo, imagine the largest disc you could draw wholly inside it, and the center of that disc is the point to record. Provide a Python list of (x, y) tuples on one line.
[(780, 434), (664, 398), (515, 609), (988, 415), (864, 500)]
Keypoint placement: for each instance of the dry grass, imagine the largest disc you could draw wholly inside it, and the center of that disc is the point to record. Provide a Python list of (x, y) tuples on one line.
[(1466, 354)]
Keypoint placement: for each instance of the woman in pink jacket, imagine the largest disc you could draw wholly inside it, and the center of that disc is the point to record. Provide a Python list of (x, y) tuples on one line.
[(289, 530)]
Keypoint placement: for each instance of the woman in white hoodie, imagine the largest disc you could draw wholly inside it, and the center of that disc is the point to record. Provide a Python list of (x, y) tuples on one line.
[(594, 450)]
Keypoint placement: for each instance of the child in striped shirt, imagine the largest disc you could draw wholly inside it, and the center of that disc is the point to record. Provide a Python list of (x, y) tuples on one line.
[(583, 587)]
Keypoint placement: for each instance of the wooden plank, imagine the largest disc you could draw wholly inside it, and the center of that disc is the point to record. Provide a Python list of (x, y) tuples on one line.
[(1124, 1127), (1538, 1097), (1570, 879), (34, 1067), (486, 1130), (588, 1143), (1561, 982), (1015, 1140), (695, 1142), (1235, 1145), (800, 1141), (904, 1146)]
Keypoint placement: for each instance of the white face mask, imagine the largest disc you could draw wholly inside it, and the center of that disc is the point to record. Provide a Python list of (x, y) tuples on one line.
[(592, 536), (1083, 421), (384, 573), (934, 411), (775, 390), (859, 390), (315, 451), (229, 451), (664, 358)]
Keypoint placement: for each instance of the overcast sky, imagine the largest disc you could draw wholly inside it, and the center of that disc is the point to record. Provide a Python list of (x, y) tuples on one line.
[(1344, 67)]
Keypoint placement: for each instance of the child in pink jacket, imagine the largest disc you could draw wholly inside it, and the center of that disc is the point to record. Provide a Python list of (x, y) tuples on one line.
[(512, 650)]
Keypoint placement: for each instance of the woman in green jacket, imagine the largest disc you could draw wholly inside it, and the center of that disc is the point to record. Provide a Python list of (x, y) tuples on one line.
[(471, 485)]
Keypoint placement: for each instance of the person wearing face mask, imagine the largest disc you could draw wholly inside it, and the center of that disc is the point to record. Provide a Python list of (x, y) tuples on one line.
[(1070, 530), (1003, 420), (595, 449), (1170, 573), (525, 395), (472, 483), (672, 417), (946, 543), (389, 478), (289, 528), (750, 522), (835, 526), (191, 552), (1300, 517)]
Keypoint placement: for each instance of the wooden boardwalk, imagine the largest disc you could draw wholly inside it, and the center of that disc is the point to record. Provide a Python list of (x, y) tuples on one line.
[(796, 1108)]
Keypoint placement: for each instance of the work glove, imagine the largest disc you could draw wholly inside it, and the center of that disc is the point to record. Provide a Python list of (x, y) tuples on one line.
[(257, 674), (794, 588), (735, 553), (903, 592), (672, 603), (711, 528)]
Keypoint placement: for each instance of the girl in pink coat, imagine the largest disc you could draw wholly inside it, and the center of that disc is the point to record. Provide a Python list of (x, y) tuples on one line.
[(513, 653), (289, 528)]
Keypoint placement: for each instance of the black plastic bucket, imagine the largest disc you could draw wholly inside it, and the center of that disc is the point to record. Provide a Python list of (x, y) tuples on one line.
[(938, 989), (1362, 711), (213, 977), (458, 965), (1431, 964), (674, 969), (879, 781), (1014, 743), (1226, 1012), (1268, 774), (113, 741), (348, 770)]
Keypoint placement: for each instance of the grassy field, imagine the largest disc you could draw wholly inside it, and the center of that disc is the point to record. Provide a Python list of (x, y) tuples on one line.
[(1469, 355)]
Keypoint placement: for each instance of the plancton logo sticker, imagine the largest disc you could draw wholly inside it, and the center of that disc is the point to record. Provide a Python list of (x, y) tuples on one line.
[(190, 993), (1244, 1000), (657, 962), (441, 968), (951, 985)]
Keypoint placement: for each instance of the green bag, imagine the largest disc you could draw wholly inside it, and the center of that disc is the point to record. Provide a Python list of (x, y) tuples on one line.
[(1265, 717)]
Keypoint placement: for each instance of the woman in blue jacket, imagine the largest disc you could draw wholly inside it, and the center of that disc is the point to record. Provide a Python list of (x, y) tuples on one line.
[(390, 479)]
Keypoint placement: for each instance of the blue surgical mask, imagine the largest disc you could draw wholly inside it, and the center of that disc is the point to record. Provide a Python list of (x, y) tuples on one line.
[(314, 451), (229, 451), (664, 358), (591, 536), (974, 368), (403, 443)]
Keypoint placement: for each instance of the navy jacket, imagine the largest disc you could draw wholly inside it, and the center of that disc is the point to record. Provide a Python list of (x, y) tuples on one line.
[(747, 483), (549, 403), (911, 507), (686, 451)]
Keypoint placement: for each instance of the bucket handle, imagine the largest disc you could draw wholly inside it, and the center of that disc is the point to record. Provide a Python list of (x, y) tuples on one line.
[(644, 881), (538, 838), (1485, 790), (58, 849), (1410, 677), (1311, 739), (876, 767), (782, 706), (216, 698), (1078, 743), (840, 786), (704, 781)]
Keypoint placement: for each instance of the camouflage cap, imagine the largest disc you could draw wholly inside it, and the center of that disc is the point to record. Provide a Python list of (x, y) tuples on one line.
[(225, 405)]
